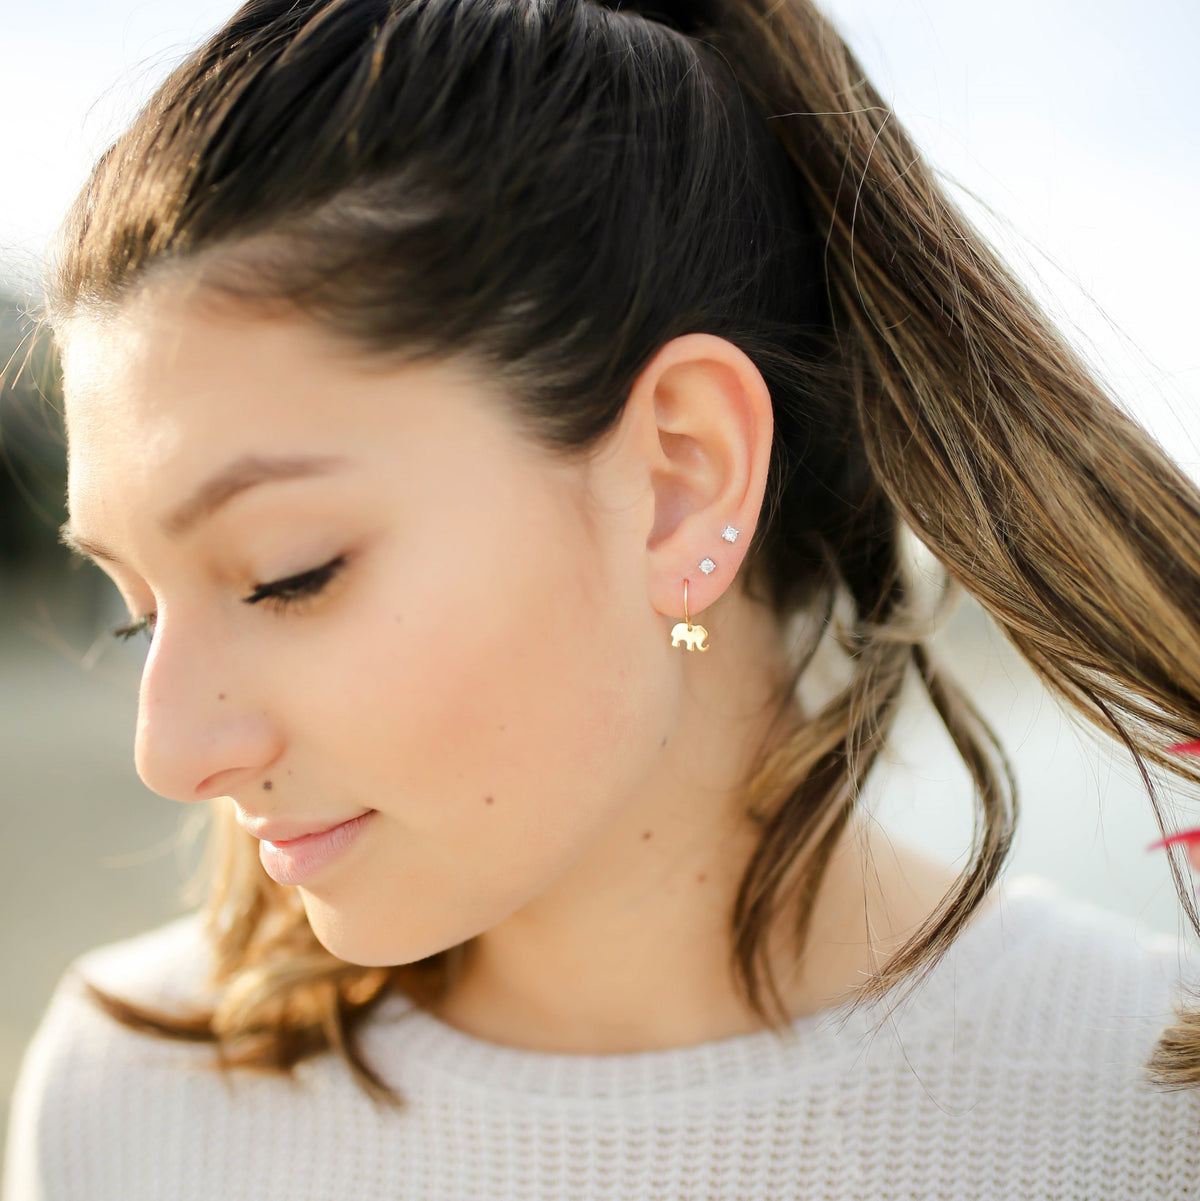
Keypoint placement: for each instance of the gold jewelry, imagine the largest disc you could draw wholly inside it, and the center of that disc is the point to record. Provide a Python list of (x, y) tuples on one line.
[(683, 632)]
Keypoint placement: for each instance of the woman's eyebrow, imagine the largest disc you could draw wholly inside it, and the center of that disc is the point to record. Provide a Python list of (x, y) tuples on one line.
[(241, 475), (237, 477)]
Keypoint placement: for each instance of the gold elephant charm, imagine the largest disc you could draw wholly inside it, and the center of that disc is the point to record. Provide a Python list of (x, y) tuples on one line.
[(693, 636)]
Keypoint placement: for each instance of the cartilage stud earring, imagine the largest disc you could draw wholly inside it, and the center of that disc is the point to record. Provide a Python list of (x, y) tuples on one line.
[(707, 566), (729, 534)]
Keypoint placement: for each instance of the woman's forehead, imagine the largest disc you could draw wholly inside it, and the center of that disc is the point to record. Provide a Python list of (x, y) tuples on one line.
[(178, 389), (172, 364)]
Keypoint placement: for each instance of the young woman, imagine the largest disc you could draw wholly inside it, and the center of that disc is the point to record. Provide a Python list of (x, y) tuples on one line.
[(486, 407)]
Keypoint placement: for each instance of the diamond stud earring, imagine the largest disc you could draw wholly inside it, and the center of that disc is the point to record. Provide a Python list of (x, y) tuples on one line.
[(707, 566), (729, 534)]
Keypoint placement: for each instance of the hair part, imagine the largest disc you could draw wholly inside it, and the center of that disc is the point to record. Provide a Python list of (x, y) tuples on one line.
[(554, 189)]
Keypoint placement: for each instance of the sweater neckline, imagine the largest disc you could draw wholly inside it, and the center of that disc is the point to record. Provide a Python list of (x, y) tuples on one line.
[(403, 1039)]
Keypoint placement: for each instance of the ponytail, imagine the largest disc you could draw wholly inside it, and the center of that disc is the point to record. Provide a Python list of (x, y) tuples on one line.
[(995, 444)]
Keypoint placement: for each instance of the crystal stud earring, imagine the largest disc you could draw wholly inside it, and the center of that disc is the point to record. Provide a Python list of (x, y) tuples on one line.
[(729, 533)]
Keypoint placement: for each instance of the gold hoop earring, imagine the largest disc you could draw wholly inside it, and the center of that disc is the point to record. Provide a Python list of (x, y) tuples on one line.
[(684, 633)]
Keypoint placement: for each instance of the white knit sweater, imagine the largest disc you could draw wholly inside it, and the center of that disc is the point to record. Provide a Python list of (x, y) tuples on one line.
[(1013, 1072)]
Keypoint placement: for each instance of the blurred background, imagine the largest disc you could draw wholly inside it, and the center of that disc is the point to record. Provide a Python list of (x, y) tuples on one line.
[(1076, 131)]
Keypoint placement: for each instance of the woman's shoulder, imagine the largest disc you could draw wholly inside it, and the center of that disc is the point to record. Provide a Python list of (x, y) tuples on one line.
[(167, 965), (82, 1068), (106, 1112), (1095, 960), (1050, 980), (163, 969)]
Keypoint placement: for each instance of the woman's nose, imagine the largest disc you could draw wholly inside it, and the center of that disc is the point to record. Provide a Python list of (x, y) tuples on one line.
[(201, 731)]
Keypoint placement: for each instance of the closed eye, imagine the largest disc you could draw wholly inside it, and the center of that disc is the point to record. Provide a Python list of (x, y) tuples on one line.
[(279, 593), (143, 625), (296, 587)]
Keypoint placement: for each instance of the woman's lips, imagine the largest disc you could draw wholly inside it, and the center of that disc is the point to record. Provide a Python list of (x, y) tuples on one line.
[(296, 859), (276, 830)]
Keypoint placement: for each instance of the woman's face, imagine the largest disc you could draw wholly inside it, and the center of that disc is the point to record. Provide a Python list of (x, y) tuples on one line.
[(462, 652)]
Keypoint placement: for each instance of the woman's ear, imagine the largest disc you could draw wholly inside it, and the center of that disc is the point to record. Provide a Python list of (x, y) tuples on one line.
[(705, 424)]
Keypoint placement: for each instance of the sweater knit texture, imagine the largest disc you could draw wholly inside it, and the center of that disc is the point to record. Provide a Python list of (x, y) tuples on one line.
[(1013, 1071)]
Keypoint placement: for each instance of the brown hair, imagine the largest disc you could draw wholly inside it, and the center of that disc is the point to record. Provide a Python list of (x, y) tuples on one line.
[(555, 189)]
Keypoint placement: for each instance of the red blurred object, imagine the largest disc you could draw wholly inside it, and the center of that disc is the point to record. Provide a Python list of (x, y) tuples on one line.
[(1191, 837)]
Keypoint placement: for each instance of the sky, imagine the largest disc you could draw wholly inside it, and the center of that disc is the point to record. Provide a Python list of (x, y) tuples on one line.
[(1074, 124)]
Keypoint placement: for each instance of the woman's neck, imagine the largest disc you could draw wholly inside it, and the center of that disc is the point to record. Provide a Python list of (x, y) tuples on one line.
[(614, 988), (630, 949)]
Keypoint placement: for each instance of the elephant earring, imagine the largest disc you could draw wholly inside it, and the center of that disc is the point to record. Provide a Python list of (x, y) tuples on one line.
[(683, 632)]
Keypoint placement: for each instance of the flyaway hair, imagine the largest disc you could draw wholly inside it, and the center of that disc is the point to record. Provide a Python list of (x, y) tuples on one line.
[(553, 189)]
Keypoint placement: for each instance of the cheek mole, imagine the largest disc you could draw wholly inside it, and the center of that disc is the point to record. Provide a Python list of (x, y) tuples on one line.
[(267, 786), (490, 800), (647, 834)]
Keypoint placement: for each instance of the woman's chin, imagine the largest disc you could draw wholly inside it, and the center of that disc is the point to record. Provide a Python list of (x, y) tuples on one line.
[(366, 941)]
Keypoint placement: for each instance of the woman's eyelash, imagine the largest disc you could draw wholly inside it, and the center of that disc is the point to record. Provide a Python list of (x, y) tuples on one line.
[(296, 587), (143, 625), (280, 593)]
